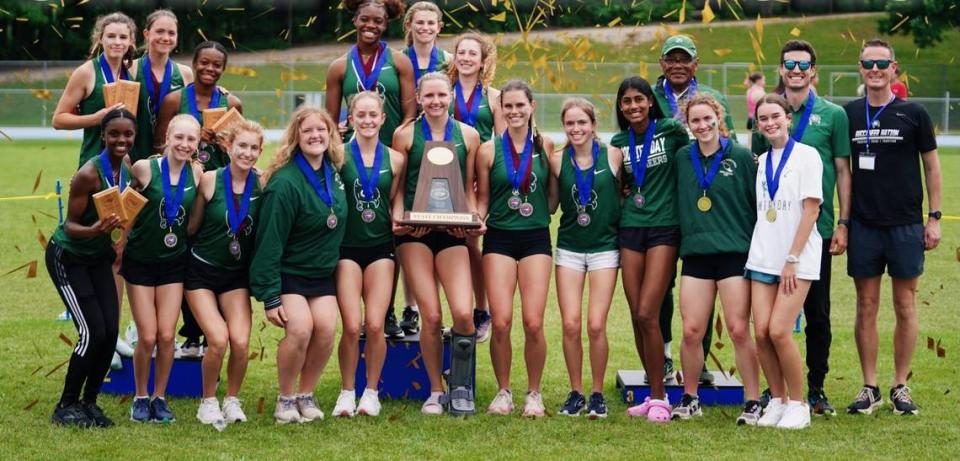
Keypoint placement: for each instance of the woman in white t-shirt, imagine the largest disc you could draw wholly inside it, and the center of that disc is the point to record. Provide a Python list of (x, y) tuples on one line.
[(784, 258)]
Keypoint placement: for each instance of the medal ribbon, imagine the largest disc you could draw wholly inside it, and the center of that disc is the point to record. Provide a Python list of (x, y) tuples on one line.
[(672, 100), (108, 73), (640, 165), (368, 184), (705, 180), (171, 202), (190, 92), (773, 179), (428, 132), (368, 72), (518, 166), (108, 171), (237, 214), (584, 179), (871, 120), (434, 57), (156, 99), (466, 111), (325, 191), (805, 118)]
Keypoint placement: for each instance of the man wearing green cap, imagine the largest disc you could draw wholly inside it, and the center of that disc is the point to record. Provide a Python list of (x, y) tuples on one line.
[(678, 61)]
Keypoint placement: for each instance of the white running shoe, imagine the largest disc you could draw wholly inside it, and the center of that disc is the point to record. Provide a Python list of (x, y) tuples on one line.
[(232, 412), (369, 403), (346, 404), (796, 416), (287, 410), (533, 406), (123, 348), (772, 414), (308, 408), (502, 403), (209, 411)]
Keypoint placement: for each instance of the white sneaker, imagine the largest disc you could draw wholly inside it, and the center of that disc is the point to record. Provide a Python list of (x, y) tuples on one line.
[(287, 410), (369, 403), (209, 411), (232, 412), (432, 406), (346, 404), (308, 408), (533, 406), (502, 403), (115, 363), (772, 414), (796, 416), (123, 348)]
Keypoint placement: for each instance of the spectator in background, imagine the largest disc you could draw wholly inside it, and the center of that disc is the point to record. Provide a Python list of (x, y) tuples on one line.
[(898, 87), (755, 84)]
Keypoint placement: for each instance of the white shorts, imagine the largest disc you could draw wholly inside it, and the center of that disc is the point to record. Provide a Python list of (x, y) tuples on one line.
[(587, 262)]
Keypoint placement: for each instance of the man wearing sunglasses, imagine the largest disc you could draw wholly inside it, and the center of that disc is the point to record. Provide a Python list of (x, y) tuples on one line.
[(823, 125), (678, 61), (889, 139)]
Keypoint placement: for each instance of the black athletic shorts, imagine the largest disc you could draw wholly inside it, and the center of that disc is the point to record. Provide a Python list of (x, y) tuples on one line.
[(308, 287), (714, 267), (154, 274), (437, 240), (517, 244), (365, 256), (203, 276), (642, 239)]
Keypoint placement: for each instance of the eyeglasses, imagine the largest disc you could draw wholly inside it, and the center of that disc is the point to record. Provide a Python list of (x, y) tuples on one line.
[(790, 64), (880, 63)]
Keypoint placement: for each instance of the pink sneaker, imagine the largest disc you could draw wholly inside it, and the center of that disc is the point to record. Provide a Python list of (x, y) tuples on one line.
[(637, 411), (659, 411)]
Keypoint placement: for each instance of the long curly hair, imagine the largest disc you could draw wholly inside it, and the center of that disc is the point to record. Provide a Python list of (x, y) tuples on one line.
[(244, 126), (290, 141), (488, 55), (414, 9), (707, 100)]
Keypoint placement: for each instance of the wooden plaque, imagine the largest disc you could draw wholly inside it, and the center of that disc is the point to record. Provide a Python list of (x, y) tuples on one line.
[(123, 91), (107, 202), (440, 200), (132, 202), (227, 121), (211, 116)]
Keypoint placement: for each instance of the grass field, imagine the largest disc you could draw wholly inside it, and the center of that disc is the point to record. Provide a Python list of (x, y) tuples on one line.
[(30, 382)]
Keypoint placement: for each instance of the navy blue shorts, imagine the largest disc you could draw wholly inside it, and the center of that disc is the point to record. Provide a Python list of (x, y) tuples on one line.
[(898, 248)]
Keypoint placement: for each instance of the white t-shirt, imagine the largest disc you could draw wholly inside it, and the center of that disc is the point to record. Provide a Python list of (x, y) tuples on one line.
[(801, 178)]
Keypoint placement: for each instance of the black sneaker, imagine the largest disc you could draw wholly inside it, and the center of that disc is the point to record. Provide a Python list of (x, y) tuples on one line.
[(411, 321), (191, 348), (390, 328), (597, 407), (688, 407), (867, 400), (902, 402), (574, 404), (140, 410), (706, 377), (751, 413), (765, 397), (819, 405), (95, 413), (160, 412), (71, 415), (482, 323), (669, 372)]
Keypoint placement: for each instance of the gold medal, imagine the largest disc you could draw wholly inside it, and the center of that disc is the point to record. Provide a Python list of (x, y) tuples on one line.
[(704, 204), (771, 214), (116, 235)]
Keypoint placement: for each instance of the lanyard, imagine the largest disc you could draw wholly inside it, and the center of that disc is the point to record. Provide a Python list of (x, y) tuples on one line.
[(640, 165)]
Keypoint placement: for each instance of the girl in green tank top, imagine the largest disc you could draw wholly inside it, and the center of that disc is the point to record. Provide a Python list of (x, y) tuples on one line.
[(475, 101), (152, 263), (421, 25), (115, 37), (158, 76), (226, 212), (209, 62), (588, 191), (513, 183), (371, 65)]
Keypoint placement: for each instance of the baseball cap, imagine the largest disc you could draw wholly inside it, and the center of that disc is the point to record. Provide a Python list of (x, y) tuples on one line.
[(681, 42)]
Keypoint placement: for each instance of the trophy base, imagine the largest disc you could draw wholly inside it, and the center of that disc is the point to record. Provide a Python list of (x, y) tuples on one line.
[(440, 220)]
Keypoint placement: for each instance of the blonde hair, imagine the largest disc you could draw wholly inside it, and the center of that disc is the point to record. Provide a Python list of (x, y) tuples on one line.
[(290, 141), (414, 9), (440, 76), (183, 118), (706, 99), (361, 95), (587, 107), (244, 126), (488, 56), (97, 35)]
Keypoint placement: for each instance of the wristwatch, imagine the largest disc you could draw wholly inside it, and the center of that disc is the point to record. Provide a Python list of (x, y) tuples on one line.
[(843, 222), (935, 214), (791, 259)]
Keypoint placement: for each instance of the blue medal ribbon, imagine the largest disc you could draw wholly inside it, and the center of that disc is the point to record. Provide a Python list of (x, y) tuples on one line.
[(515, 175), (805, 118), (872, 120), (190, 92), (368, 184), (369, 81), (236, 215), (464, 113), (324, 191), (428, 132), (672, 100), (584, 179), (108, 171), (773, 179), (108, 73), (171, 202), (706, 179), (432, 66), (640, 165), (156, 99)]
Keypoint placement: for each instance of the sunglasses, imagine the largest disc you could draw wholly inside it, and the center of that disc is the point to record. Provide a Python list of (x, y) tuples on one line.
[(790, 64), (880, 63)]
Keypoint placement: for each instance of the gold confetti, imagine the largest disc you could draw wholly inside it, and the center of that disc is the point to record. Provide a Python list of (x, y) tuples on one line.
[(708, 15), (200, 31), (16, 269), (23, 20), (683, 12), (54, 370), (759, 27), (292, 76), (722, 52), (242, 71), (36, 182), (929, 343), (66, 340), (614, 22), (32, 270), (31, 405), (260, 404), (499, 17), (81, 2), (718, 327), (57, 31), (43, 242), (897, 26), (795, 32)]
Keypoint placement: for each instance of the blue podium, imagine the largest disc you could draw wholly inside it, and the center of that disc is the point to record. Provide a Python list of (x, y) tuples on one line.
[(185, 379), (404, 375), (725, 390)]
